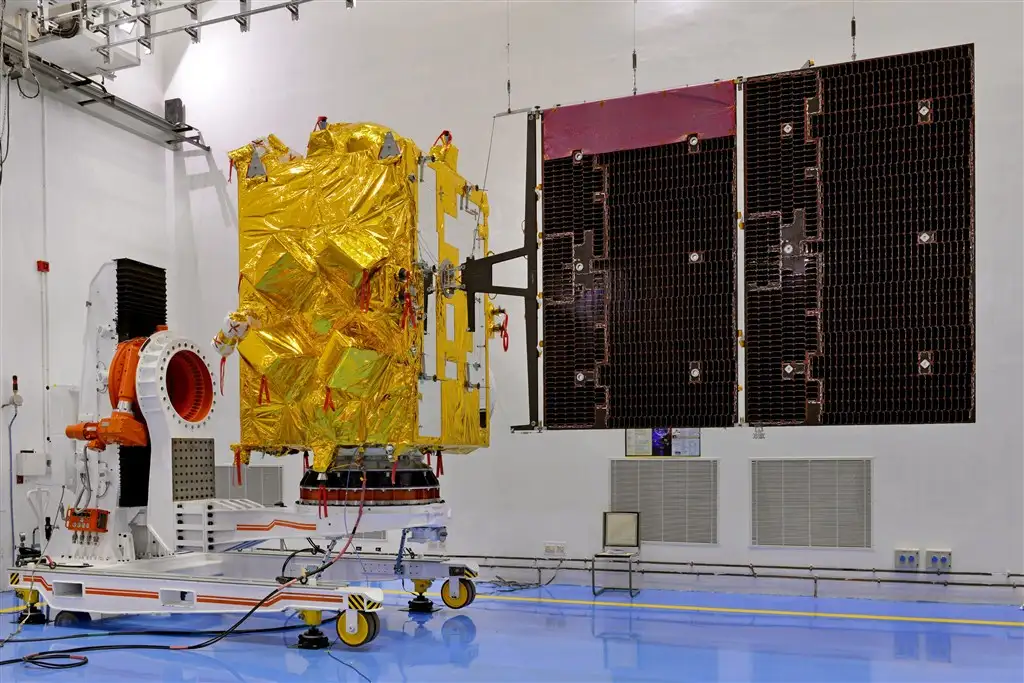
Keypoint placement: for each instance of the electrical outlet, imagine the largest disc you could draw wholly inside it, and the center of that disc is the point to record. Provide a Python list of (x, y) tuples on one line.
[(906, 559), (554, 549), (938, 560)]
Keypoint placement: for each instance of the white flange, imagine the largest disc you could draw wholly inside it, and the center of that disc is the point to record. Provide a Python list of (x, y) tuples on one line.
[(151, 381)]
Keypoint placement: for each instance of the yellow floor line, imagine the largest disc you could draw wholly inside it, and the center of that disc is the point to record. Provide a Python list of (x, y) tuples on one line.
[(739, 610)]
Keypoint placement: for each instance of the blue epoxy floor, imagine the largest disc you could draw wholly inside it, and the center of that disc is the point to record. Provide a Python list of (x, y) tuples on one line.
[(516, 637)]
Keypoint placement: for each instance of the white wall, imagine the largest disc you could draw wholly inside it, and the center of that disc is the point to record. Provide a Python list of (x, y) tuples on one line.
[(77, 195), (426, 66)]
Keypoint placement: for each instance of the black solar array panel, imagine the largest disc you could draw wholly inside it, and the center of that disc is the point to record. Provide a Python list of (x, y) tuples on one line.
[(639, 281), (141, 306), (141, 299), (781, 288), (859, 242), (571, 316)]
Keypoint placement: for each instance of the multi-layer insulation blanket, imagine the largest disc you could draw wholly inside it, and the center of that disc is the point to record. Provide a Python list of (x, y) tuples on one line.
[(336, 284)]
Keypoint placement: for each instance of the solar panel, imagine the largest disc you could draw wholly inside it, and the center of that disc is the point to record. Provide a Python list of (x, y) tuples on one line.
[(859, 242), (858, 254), (639, 263)]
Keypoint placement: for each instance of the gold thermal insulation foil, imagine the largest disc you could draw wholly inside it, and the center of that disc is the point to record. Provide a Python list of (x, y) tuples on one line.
[(338, 250)]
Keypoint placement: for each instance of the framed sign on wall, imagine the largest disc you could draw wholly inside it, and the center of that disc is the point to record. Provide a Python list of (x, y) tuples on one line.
[(663, 442)]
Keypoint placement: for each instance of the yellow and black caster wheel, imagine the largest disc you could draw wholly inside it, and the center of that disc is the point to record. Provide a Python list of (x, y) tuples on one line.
[(466, 593), (367, 628)]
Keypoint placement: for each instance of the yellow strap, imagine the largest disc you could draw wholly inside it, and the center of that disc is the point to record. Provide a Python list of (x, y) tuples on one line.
[(11, 610)]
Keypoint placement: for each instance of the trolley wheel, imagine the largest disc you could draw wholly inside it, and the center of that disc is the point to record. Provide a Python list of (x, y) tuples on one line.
[(464, 598), (71, 619), (367, 628)]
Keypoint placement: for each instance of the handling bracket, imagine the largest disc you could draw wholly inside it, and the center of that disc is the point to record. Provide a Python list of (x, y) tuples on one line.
[(478, 278)]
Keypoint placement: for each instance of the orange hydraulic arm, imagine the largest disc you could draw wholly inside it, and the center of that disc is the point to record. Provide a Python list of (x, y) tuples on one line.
[(122, 427)]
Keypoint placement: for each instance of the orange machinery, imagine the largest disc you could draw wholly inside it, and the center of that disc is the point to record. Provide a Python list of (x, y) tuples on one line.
[(191, 397), (123, 427)]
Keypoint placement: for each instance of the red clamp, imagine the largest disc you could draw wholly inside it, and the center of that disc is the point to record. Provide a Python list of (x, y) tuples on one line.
[(42, 266), (407, 312), (238, 467), (364, 292), (264, 389), (445, 137), (321, 511)]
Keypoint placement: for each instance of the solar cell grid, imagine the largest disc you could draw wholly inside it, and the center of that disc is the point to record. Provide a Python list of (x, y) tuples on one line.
[(877, 155), (858, 252), (617, 319)]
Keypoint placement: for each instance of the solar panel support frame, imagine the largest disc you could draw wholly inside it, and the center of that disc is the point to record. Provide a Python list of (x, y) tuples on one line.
[(478, 278)]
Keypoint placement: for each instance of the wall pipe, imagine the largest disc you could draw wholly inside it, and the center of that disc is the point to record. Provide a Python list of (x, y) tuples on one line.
[(754, 567), (44, 292), (753, 571), (815, 578), (747, 575)]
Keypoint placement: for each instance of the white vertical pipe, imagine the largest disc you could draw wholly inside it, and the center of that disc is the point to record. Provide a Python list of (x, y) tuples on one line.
[(44, 294)]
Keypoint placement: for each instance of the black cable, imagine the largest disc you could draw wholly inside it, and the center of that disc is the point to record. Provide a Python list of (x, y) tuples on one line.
[(6, 106), (221, 635), (165, 634), (68, 30), (314, 549), (39, 89), (339, 661), (509, 586), (55, 660), (35, 658), (10, 473), (5, 129)]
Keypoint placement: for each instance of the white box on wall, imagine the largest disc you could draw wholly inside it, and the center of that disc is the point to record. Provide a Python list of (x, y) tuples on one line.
[(30, 464)]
